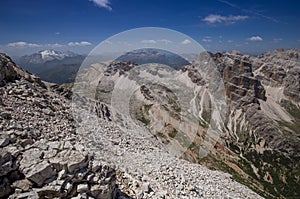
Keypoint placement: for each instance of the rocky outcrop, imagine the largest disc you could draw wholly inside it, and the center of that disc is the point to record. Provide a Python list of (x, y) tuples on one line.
[(241, 86), (120, 67), (7, 72), (280, 69), (54, 169)]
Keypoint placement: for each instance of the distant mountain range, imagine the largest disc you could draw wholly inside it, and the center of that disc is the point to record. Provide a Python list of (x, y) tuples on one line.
[(46, 55), (151, 55), (53, 66), (61, 67)]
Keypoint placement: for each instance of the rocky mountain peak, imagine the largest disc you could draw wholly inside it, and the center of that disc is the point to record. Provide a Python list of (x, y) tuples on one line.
[(241, 86), (44, 56), (153, 55)]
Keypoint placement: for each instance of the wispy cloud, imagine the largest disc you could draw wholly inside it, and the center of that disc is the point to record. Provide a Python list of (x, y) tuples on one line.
[(107, 42), (103, 3), (22, 44), (56, 45), (57, 33), (277, 40), (165, 41), (215, 18), (185, 42), (255, 38), (207, 39), (151, 41), (254, 12), (82, 43)]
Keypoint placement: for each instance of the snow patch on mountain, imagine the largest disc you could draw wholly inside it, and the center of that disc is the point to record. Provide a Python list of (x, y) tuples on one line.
[(46, 55)]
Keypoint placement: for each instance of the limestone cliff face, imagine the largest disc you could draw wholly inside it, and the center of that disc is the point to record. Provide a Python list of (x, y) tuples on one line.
[(241, 85), (280, 69), (262, 127)]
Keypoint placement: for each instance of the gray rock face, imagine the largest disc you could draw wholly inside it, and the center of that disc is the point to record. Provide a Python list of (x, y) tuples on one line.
[(7, 72), (281, 69), (262, 127), (241, 86)]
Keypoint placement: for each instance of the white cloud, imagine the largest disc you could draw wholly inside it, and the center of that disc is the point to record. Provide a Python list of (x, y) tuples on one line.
[(57, 33), (207, 39), (22, 44), (185, 42), (102, 3), (276, 40), (214, 18), (150, 41), (165, 41), (82, 43), (229, 41), (255, 38)]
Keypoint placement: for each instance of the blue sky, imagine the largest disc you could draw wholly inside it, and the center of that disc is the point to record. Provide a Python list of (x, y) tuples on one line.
[(252, 26)]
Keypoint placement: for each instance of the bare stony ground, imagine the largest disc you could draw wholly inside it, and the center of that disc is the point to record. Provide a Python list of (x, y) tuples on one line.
[(44, 154), (147, 170)]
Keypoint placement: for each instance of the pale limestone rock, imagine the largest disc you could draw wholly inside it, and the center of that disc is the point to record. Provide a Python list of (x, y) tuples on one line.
[(82, 188), (24, 184)]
